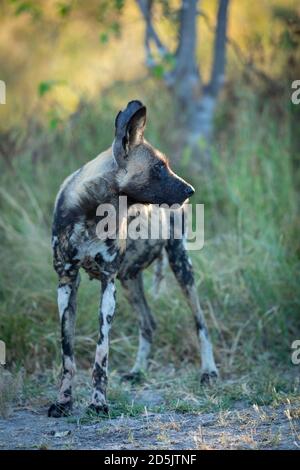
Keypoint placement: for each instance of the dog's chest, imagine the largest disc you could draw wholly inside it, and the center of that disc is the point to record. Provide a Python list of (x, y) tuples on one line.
[(81, 246), (100, 257)]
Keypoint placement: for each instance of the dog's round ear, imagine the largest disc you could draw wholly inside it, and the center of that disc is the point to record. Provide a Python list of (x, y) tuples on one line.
[(130, 125)]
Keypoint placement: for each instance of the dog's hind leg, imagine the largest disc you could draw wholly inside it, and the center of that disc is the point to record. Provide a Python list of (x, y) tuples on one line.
[(182, 267), (66, 297), (134, 291)]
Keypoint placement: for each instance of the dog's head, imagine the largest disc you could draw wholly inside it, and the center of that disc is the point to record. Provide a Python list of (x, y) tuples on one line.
[(146, 176)]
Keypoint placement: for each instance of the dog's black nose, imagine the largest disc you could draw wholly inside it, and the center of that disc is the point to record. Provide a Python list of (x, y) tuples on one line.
[(189, 191)]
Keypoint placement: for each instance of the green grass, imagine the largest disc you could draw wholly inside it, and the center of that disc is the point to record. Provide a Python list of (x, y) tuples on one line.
[(247, 273), (11, 390), (178, 391)]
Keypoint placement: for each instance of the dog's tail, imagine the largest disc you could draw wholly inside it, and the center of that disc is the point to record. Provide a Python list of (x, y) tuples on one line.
[(159, 273)]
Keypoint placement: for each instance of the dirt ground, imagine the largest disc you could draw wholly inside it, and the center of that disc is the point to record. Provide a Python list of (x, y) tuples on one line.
[(246, 428), (148, 415)]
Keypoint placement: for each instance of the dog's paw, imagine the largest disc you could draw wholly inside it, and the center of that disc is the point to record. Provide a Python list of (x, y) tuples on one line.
[(133, 377), (209, 377), (59, 410), (97, 410)]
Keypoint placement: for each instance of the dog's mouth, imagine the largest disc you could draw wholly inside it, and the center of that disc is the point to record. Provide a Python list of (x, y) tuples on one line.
[(159, 202), (177, 196)]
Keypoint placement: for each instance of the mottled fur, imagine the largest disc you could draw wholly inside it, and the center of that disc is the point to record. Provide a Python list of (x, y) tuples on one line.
[(131, 167)]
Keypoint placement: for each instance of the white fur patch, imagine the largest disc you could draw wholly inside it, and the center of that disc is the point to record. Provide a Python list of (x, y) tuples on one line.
[(98, 398), (69, 365), (78, 234), (63, 296), (207, 357), (104, 252), (108, 304), (91, 248), (102, 349), (54, 241), (67, 380), (108, 300)]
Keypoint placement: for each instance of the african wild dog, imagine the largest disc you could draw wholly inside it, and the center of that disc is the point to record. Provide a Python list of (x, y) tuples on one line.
[(131, 167)]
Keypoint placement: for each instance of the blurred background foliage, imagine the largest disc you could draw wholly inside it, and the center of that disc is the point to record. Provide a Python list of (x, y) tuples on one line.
[(69, 66), (55, 53)]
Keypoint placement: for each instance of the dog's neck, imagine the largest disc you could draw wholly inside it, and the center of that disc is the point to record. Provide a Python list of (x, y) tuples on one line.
[(98, 183)]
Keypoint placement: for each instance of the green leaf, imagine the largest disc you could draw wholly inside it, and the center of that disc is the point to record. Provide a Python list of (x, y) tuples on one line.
[(45, 87), (158, 71), (115, 28), (28, 7), (119, 4), (103, 38), (54, 122), (286, 41), (64, 9), (54, 118)]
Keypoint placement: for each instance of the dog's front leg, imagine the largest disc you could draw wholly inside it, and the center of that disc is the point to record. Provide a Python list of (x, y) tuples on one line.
[(66, 296), (182, 268), (106, 314)]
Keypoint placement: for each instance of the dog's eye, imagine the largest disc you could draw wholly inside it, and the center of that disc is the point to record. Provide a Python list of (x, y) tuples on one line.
[(158, 169)]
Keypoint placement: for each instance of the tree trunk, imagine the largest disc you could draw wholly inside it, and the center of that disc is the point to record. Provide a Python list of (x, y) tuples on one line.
[(200, 126), (186, 77), (196, 103)]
